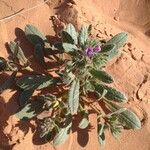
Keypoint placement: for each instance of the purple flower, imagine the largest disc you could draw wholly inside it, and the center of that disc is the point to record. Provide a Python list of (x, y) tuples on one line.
[(90, 51), (97, 49)]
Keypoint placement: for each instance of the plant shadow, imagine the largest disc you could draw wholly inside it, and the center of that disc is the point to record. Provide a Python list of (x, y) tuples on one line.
[(8, 109), (82, 134), (11, 107)]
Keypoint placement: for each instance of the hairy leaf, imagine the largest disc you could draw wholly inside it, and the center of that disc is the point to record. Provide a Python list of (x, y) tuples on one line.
[(107, 48), (72, 32), (101, 75), (101, 134), (3, 64), (100, 60), (34, 35), (127, 117), (92, 43), (39, 54), (68, 77), (83, 35), (112, 94), (30, 110), (69, 47), (67, 38), (18, 52), (49, 97), (62, 135), (8, 83), (84, 122), (73, 98), (34, 82), (130, 119), (58, 46), (25, 96), (116, 112), (114, 53), (88, 87), (119, 40), (111, 50), (116, 130), (46, 127)]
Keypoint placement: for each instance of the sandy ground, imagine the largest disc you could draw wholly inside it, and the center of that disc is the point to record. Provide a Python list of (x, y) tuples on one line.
[(131, 70)]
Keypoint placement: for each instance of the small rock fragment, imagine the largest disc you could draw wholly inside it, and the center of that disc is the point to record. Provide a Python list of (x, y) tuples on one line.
[(146, 58), (116, 18), (136, 54), (143, 91)]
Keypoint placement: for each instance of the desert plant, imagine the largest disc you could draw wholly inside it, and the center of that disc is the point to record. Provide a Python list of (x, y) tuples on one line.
[(82, 76)]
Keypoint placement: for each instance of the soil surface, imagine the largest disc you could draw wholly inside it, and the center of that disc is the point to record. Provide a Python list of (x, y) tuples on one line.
[(131, 71)]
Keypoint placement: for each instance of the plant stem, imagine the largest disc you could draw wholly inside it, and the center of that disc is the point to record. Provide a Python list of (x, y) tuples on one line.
[(92, 106)]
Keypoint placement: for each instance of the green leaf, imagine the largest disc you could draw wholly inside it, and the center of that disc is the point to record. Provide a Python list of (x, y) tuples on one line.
[(67, 38), (107, 48), (92, 43), (47, 81), (58, 46), (119, 40), (47, 126), (49, 97), (73, 100), (39, 54), (113, 54), (101, 96), (83, 35), (101, 134), (112, 94), (62, 135), (3, 64), (30, 110), (69, 47), (84, 122), (8, 83), (116, 131), (35, 82), (34, 35), (130, 119), (111, 50), (68, 77), (25, 96), (72, 32), (116, 112), (18, 52), (88, 87), (100, 60), (127, 117), (101, 75)]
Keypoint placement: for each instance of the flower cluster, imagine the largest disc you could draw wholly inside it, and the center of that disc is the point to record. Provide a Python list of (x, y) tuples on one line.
[(90, 51)]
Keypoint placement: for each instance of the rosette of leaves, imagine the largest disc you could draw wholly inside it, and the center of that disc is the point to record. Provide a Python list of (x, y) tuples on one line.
[(82, 74)]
